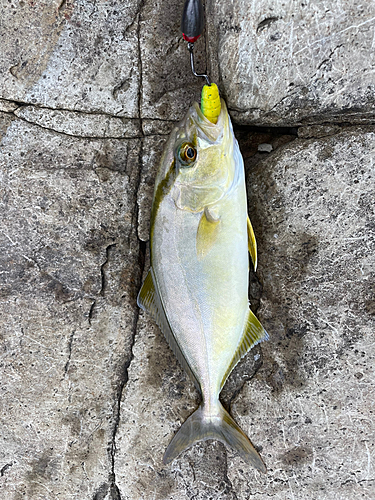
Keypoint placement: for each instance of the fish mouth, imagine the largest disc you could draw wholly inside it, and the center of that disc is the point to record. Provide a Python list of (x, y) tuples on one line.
[(212, 132)]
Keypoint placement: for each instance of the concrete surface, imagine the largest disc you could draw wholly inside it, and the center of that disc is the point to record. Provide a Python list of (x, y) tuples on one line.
[(286, 62)]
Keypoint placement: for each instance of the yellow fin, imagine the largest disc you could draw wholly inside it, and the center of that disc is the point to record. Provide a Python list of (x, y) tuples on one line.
[(252, 335), (207, 233), (252, 244), (149, 300), (210, 102)]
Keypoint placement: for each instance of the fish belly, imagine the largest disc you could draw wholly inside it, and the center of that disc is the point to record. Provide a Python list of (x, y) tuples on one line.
[(205, 299)]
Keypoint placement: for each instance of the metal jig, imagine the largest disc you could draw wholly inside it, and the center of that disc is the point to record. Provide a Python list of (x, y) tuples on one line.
[(192, 25)]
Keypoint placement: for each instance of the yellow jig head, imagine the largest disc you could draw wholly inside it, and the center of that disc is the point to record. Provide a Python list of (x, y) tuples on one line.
[(210, 102)]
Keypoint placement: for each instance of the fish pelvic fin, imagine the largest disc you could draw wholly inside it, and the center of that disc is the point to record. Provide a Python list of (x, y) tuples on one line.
[(203, 425), (252, 244), (149, 300)]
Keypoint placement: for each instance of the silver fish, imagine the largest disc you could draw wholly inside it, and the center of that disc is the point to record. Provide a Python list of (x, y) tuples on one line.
[(197, 286)]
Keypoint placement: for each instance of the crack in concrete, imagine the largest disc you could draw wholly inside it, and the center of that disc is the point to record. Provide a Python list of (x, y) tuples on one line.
[(5, 468), (226, 478), (114, 490), (277, 130), (241, 374), (61, 5), (70, 342), (77, 111), (90, 137), (103, 282), (294, 94), (91, 312), (22, 104), (101, 492)]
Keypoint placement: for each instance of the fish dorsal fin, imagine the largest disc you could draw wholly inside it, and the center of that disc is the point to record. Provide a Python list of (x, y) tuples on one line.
[(252, 335), (207, 232), (252, 243), (149, 300)]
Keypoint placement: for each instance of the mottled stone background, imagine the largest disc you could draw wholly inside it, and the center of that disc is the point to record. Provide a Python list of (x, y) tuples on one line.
[(90, 392)]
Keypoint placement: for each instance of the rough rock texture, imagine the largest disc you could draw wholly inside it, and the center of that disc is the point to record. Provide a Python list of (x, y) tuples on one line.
[(286, 62), (77, 55), (70, 268), (311, 406), (90, 392)]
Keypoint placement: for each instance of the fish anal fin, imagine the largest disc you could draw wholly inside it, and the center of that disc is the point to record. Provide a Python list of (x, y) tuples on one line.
[(252, 243), (207, 233), (253, 334), (149, 300)]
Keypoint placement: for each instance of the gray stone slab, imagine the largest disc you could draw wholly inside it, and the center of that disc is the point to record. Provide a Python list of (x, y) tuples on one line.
[(157, 127), (70, 271), (287, 62), (73, 55)]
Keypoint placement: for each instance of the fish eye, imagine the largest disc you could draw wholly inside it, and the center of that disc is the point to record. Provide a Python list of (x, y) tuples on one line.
[(187, 154)]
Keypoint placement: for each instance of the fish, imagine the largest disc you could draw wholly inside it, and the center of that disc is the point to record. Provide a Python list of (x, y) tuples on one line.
[(197, 286)]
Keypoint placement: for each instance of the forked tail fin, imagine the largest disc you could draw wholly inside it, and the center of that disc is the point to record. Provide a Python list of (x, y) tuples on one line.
[(201, 426)]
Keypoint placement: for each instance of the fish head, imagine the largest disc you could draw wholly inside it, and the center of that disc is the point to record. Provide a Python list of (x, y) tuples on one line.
[(200, 155)]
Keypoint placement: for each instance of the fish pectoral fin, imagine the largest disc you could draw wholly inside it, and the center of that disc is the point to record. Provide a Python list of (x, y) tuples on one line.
[(252, 243), (201, 426), (253, 334), (149, 300), (207, 232)]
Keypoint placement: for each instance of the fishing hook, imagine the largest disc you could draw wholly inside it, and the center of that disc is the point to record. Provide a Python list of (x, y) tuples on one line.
[(192, 25), (191, 50)]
